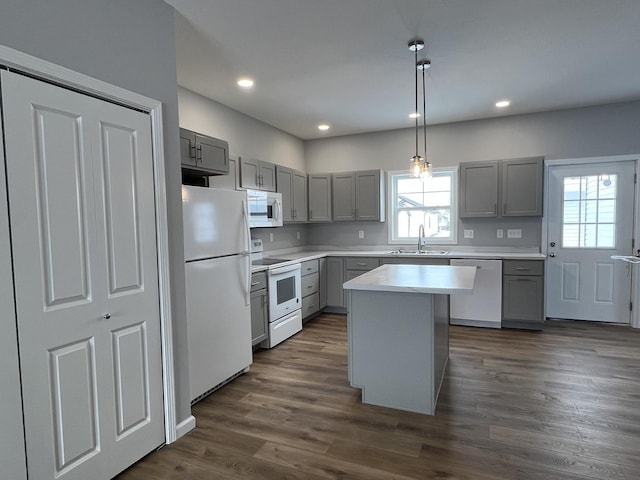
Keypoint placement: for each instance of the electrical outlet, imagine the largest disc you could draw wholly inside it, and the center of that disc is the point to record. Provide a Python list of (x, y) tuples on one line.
[(271, 237), (298, 235), (468, 234), (360, 233), (514, 233), (500, 233)]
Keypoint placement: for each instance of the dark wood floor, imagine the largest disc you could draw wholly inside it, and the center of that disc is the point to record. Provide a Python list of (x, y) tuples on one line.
[(560, 404)]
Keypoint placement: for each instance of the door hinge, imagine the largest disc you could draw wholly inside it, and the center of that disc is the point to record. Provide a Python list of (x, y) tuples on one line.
[(633, 243), (635, 178), (630, 306)]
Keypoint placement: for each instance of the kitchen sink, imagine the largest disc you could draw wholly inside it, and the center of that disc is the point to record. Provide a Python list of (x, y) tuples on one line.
[(402, 251)]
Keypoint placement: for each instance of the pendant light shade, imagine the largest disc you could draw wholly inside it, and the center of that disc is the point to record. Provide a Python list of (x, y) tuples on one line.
[(420, 166)]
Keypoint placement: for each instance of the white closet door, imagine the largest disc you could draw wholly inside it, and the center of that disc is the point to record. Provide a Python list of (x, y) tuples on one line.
[(81, 206)]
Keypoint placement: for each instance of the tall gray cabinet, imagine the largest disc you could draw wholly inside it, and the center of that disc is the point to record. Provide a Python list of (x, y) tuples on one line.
[(501, 188)]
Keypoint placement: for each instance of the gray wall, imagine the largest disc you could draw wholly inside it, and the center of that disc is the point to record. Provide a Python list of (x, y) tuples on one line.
[(247, 136), (131, 45), (575, 133)]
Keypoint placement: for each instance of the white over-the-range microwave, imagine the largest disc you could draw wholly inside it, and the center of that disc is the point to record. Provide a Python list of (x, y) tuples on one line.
[(265, 208)]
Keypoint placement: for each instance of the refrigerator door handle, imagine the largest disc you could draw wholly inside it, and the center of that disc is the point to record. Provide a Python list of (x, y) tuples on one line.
[(247, 254)]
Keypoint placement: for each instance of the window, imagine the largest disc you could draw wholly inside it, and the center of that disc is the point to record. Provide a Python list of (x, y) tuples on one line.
[(589, 211), (430, 202)]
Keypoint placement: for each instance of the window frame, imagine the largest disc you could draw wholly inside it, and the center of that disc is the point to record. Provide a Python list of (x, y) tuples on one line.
[(392, 216)]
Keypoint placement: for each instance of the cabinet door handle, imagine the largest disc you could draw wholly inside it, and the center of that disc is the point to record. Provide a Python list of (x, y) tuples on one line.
[(524, 269), (309, 268), (362, 264), (310, 214), (495, 208), (253, 284), (504, 208), (524, 279), (199, 151), (193, 150), (309, 286)]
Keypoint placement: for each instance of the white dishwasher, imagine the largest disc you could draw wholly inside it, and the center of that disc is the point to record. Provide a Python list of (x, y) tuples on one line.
[(483, 308)]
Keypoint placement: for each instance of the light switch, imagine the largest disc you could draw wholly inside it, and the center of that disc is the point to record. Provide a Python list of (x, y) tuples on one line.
[(468, 234), (514, 233), (271, 237)]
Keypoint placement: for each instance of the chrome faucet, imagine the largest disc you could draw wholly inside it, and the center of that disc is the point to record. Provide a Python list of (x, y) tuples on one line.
[(420, 237)]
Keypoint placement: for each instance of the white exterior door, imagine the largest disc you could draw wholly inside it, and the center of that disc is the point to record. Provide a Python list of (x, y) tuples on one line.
[(81, 206), (590, 218)]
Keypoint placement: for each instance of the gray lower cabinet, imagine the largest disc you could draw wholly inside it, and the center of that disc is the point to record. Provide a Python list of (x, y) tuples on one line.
[(310, 287), (259, 308), (523, 294), (292, 184), (335, 279), (501, 188), (203, 155), (322, 272), (356, 266), (415, 261), (257, 175), (319, 195)]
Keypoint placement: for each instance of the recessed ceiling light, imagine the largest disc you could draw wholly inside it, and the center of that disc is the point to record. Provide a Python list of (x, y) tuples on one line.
[(414, 115), (503, 103), (245, 82), (323, 127)]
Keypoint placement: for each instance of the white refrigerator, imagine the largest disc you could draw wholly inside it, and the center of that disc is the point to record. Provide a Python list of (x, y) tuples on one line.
[(218, 278)]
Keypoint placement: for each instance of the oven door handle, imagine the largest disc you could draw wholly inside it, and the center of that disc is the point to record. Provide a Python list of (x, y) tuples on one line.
[(284, 269)]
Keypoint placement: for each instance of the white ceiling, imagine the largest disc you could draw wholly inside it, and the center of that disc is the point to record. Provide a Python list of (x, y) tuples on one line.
[(346, 62)]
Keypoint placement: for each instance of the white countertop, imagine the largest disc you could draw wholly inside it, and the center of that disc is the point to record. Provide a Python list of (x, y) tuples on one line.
[(438, 279), (300, 255)]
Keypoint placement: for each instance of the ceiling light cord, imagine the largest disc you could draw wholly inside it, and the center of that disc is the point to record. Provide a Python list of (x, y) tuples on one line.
[(416, 103)]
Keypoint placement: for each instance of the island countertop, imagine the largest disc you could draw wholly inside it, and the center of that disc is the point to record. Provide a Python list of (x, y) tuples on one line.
[(436, 279)]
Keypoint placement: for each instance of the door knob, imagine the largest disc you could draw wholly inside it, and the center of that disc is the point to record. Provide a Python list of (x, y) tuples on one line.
[(553, 244), (106, 316), (552, 255)]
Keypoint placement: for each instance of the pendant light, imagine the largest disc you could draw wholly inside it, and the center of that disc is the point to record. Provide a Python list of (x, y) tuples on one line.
[(420, 167)]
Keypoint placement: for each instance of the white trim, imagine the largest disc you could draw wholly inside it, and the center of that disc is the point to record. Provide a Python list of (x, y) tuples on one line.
[(49, 71), (635, 281), (185, 426)]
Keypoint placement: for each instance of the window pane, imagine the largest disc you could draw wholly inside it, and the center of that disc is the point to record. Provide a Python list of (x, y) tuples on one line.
[(589, 211), (606, 211), (606, 236), (428, 203), (570, 236), (571, 212)]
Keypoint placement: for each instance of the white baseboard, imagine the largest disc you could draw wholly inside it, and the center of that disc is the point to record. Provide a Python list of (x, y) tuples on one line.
[(185, 426)]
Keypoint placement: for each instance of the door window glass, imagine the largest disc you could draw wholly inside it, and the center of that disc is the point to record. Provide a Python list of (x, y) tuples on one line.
[(589, 211)]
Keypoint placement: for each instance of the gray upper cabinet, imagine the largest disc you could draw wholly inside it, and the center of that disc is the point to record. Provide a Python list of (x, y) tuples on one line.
[(200, 154), (479, 189), (344, 196), (319, 197), (370, 195), (293, 186), (257, 175), (358, 195), (522, 187), (505, 188)]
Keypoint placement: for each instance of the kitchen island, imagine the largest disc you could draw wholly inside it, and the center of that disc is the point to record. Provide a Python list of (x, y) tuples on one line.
[(398, 328)]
